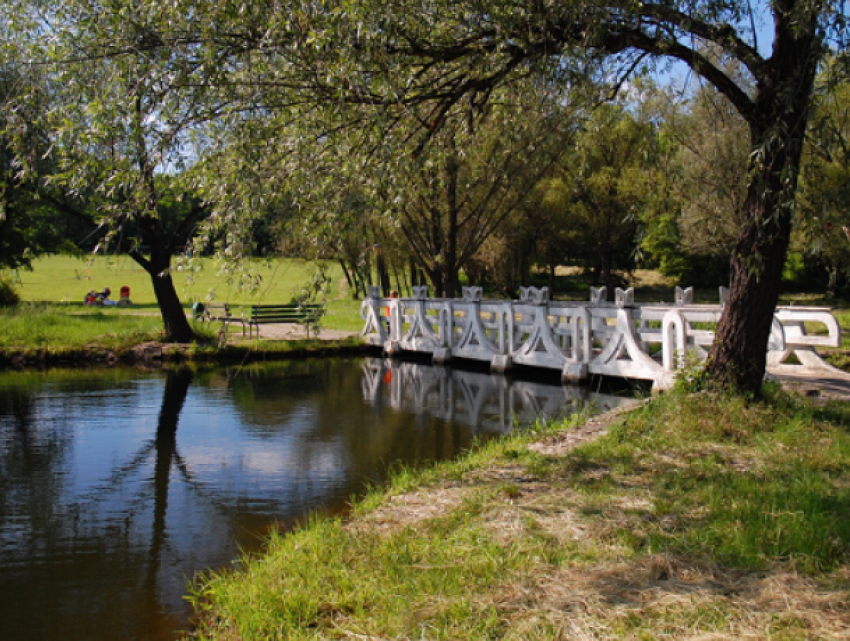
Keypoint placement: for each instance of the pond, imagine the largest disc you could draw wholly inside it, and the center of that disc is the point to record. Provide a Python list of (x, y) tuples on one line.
[(118, 486)]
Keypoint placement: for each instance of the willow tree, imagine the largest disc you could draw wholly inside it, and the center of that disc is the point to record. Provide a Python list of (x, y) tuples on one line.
[(29, 226), (376, 63), (110, 121), (442, 200)]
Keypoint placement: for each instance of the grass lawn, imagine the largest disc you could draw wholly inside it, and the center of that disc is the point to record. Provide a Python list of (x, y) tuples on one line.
[(64, 280), (38, 327)]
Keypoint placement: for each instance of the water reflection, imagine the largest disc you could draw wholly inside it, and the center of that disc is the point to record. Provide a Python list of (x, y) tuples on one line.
[(488, 403), (117, 486)]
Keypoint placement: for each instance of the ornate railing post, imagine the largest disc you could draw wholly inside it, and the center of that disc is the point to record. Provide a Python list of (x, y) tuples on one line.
[(575, 370), (674, 341), (370, 312), (502, 361), (598, 294), (684, 296)]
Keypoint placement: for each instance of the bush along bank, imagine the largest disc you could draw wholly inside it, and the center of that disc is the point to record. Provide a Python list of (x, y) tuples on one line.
[(693, 515)]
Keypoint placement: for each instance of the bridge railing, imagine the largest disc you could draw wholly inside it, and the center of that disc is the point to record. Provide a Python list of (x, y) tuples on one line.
[(581, 338)]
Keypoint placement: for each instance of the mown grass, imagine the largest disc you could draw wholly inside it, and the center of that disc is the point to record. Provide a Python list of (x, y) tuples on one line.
[(66, 279), (694, 516), (744, 485), (59, 283), (31, 327), (38, 332)]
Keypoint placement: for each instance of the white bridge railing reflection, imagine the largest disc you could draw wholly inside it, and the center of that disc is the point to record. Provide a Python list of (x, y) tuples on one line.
[(492, 404), (651, 342)]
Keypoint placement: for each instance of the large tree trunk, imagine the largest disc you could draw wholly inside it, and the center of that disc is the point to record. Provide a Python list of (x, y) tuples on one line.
[(174, 321), (777, 126), (177, 328), (739, 356)]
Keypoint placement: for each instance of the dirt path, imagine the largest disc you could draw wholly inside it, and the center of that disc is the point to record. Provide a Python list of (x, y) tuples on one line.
[(293, 331), (832, 385)]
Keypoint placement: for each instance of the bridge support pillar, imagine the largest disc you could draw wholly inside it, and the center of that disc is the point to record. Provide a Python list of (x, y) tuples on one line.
[(501, 363), (442, 355), (574, 373), (664, 382), (391, 348)]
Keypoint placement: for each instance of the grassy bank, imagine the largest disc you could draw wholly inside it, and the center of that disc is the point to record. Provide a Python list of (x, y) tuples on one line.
[(30, 327), (38, 334), (694, 517)]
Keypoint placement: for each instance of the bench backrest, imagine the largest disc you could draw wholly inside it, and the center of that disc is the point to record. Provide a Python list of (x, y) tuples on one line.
[(289, 311)]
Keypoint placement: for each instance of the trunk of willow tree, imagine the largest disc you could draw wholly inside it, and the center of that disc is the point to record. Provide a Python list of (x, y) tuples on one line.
[(738, 359), (177, 328), (777, 127)]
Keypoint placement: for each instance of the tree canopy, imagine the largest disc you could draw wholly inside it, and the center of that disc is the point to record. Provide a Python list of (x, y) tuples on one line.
[(430, 61), (299, 86)]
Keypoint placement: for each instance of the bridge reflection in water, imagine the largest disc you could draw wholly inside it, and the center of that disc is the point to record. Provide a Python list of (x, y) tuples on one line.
[(489, 402)]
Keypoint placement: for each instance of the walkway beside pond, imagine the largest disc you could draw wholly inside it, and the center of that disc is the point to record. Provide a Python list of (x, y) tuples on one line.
[(295, 332)]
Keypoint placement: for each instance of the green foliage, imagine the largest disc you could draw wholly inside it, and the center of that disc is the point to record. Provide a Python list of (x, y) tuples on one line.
[(605, 185), (29, 225), (702, 161), (821, 236), (9, 296)]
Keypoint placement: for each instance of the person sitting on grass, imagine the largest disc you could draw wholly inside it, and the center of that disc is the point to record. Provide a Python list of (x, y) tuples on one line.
[(103, 297)]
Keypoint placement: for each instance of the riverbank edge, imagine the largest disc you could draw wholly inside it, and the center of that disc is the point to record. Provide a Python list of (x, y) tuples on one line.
[(589, 574), (151, 353)]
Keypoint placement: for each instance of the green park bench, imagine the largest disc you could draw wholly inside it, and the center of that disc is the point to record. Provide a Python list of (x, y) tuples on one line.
[(302, 314)]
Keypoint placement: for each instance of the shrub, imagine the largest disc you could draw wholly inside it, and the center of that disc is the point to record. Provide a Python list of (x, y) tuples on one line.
[(9, 296)]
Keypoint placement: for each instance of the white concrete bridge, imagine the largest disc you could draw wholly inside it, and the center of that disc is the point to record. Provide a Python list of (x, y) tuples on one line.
[(644, 341)]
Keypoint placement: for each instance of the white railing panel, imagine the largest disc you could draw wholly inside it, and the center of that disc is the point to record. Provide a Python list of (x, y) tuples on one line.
[(626, 339)]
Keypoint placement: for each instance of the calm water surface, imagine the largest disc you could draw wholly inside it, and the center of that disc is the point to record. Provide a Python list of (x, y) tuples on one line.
[(117, 487)]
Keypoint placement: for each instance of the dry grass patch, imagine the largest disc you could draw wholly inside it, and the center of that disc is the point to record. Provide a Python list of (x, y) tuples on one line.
[(412, 508), (592, 428), (663, 596)]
